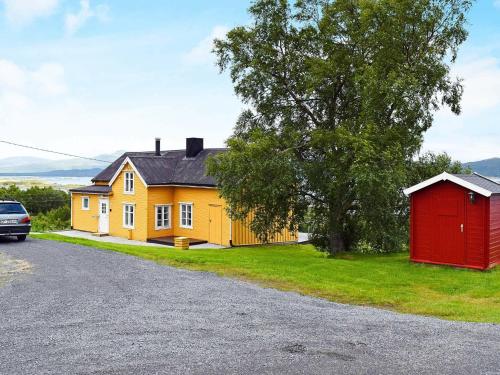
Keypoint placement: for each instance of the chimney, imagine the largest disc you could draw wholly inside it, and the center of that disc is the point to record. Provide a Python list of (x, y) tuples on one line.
[(158, 146), (193, 147)]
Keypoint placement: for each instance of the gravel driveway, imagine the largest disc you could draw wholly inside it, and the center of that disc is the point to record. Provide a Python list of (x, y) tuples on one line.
[(86, 311), (11, 268)]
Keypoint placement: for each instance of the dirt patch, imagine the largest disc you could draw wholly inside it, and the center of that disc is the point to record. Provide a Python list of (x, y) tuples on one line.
[(301, 349), (295, 349), (10, 268)]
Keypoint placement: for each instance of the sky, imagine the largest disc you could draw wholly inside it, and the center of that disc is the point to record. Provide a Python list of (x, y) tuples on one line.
[(91, 77)]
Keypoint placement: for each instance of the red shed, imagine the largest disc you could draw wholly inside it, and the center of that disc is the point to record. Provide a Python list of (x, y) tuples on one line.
[(455, 220)]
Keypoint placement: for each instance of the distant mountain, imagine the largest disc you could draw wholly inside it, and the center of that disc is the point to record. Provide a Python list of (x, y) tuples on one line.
[(24, 165), (20, 160), (488, 167), (61, 173)]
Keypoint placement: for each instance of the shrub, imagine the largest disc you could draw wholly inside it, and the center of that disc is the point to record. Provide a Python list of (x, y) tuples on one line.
[(56, 219), (36, 199), (364, 247)]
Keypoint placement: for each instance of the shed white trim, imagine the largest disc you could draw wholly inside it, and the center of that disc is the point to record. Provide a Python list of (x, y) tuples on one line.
[(125, 162), (448, 177)]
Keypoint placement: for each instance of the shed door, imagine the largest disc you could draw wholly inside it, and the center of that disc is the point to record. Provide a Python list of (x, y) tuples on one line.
[(215, 224), (449, 244), (475, 223)]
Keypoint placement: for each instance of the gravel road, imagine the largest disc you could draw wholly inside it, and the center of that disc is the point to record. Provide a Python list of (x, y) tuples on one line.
[(85, 311)]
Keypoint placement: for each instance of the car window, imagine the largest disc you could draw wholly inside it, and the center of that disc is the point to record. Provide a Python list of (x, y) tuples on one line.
[(11, 208)]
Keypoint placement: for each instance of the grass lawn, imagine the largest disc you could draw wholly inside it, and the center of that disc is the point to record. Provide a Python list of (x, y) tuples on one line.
[(387, 281)]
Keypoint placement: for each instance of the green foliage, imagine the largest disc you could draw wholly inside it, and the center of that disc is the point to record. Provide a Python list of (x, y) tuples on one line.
[(253, 170), (56, 219), (388, 281), (364, 247), (37, 200), (49, 208), (429, 165), (305, 223), (340, 94)]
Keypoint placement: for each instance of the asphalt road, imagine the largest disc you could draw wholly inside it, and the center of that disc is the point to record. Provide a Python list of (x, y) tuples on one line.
[(85, 311)]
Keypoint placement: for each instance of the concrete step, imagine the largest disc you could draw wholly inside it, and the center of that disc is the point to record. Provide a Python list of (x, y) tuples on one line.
[(100, 234)]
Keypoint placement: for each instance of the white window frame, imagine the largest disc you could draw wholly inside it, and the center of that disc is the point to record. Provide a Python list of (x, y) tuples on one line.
[(125, 225), (128, 176), (190, 204), (162, 206), (88, 203)]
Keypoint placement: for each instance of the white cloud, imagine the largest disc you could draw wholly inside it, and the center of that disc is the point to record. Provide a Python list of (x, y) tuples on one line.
[(474, 134), (11, 76), (12, 102), (481, 84), (202, 52), (75, 21), (22, 12), (18, 84), (30, 100), (50, 79), (496, 3)]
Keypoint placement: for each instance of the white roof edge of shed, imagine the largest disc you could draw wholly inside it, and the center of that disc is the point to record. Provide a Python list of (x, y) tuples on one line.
[(448, 177)]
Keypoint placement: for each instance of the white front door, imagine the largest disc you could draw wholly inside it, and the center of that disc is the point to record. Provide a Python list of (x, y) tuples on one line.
[(103, 215)]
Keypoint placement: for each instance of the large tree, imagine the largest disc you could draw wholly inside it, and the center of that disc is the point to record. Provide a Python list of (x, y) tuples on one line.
[(338, 95)]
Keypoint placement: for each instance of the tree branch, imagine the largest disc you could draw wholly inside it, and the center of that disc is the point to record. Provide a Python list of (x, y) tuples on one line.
[(299, 101), (314, 197)]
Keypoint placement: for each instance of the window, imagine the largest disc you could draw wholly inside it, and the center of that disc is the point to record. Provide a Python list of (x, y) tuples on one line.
[(186, 212), (129, 183), (85, 203), (128, 216), (162, 217), (12, 208)]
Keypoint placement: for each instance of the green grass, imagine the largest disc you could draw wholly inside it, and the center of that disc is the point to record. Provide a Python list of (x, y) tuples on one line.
[(387, 281)]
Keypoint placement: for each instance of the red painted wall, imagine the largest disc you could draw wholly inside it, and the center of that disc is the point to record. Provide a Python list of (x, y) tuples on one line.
[(422, 229), (438, 212), (494, 233)]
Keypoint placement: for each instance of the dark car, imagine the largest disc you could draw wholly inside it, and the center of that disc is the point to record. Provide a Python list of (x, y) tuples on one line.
[(14, 220)]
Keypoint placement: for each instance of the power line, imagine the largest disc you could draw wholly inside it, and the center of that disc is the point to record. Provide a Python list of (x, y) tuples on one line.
[(53, 152)]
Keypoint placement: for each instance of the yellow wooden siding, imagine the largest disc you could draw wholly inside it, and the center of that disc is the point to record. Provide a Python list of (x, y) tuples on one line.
[(160, 196), (117, 201), (85, 220), (101, 183), (202, 199), (242, 235)]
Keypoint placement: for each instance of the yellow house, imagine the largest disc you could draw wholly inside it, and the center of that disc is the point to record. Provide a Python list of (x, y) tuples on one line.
[(159, 195)]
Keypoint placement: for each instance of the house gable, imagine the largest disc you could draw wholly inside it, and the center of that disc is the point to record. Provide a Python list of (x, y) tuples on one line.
[(125, 163), (120, 198)]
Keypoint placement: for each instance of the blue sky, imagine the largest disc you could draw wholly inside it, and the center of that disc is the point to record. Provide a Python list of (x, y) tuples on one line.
[(95, 76)]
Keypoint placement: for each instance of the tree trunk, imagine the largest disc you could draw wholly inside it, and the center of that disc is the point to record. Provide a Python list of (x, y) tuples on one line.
[(337, 243)]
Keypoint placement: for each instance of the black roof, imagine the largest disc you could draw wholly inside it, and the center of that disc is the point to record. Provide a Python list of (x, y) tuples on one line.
[(170, 168), (481, 181), (93, 189)]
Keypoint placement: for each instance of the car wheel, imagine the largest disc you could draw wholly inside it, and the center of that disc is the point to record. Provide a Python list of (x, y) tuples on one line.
[(21, 238)]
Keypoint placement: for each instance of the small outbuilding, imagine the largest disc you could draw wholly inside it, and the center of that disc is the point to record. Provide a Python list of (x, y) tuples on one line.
[(455, 220)]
